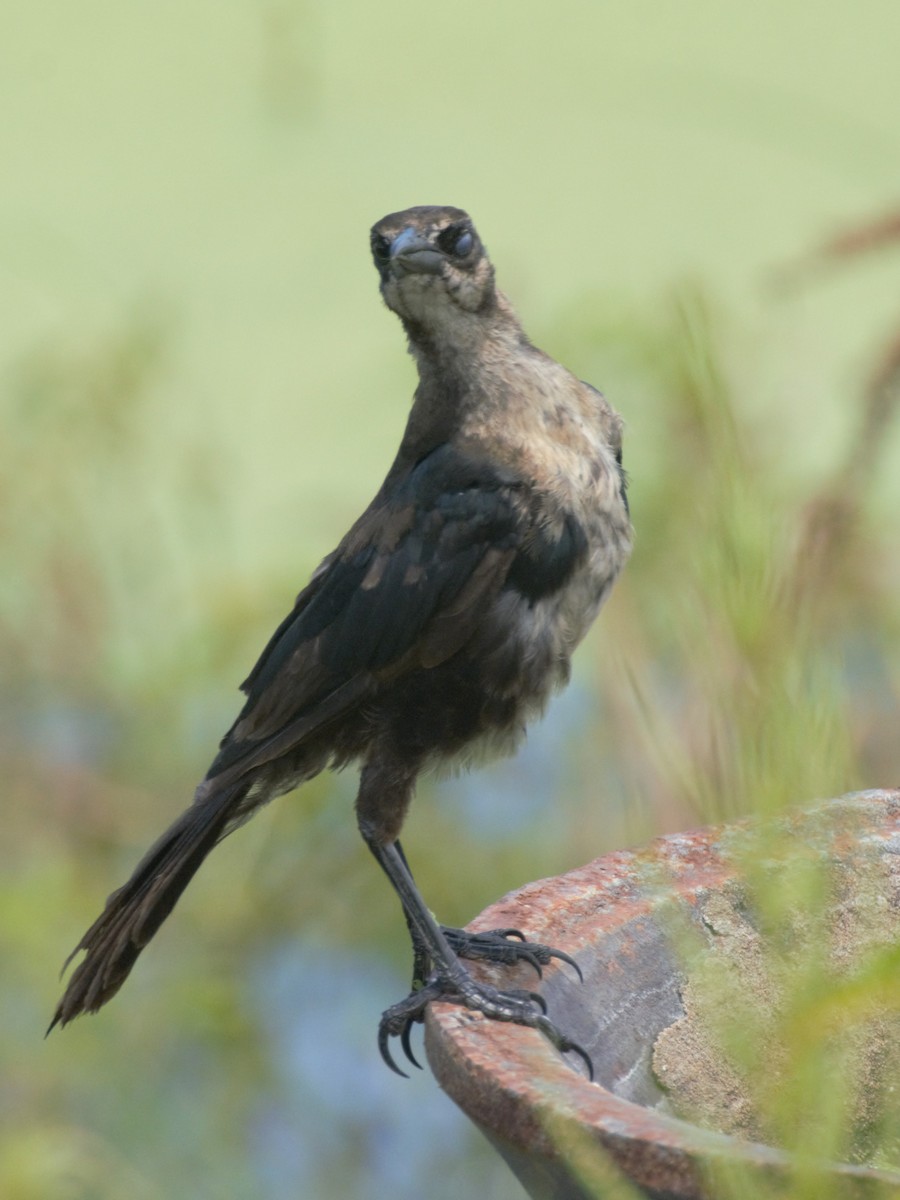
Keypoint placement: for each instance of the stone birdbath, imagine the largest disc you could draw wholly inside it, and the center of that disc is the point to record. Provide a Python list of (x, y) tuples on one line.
[(669, 1115)]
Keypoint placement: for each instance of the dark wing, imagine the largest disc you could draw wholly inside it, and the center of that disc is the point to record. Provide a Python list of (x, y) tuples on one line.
[(406, 588)]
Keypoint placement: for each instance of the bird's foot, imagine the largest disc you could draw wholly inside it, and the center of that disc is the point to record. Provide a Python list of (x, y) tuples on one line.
[(506, 946), (515, 1005)]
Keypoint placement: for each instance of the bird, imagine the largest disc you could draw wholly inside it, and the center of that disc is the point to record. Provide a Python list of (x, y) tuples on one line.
[(436, 630)]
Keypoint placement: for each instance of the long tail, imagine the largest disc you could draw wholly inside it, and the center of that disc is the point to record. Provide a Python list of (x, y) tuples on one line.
[(134, 913)]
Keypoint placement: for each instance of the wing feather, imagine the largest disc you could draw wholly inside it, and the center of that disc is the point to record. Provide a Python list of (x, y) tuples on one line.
[(407, 587)]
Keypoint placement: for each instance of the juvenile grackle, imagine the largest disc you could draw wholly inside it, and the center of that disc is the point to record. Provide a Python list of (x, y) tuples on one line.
[(438, 627)]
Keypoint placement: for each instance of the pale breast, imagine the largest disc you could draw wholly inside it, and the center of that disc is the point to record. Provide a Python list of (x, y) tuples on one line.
[(562, 436)]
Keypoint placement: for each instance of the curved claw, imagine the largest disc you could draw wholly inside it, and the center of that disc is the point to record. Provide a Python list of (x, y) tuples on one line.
[(385, 1051), (569, 961), (585, 1058), (407, 1048), (565, 1045), (533, 961), (398, 1020)]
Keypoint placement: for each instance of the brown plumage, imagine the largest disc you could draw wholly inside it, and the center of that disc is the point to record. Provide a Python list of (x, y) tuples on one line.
[(437, 628)]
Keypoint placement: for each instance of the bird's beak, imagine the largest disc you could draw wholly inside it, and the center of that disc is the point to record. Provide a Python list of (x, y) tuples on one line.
[(412, 253)]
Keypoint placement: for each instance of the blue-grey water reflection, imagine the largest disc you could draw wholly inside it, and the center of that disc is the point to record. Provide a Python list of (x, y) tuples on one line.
[(335, 1112)]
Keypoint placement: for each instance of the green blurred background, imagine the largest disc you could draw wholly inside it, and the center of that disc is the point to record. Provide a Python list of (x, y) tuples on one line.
[(201, 388)]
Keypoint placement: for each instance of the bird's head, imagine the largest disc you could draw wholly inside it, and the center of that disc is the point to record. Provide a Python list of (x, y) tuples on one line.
[(432, 265)]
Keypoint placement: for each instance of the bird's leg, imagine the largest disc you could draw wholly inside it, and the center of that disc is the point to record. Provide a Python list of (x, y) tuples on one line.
[(449, 980), (421, 957), (504, 946)]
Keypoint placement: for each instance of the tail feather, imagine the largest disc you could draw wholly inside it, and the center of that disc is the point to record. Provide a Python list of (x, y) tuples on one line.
[(135, 911)]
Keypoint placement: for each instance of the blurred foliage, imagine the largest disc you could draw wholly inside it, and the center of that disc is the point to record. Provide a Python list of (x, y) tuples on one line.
[(180, 445)]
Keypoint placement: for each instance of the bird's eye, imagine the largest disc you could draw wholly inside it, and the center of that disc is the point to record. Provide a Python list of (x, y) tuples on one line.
[(381, 248), (456, 240), (463, 244)]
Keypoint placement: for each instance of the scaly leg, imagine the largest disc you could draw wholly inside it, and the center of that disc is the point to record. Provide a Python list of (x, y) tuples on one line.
[(448, 979)]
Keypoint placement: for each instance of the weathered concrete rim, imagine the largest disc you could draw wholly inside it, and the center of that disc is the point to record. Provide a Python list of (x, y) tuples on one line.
[(513, 1084)]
